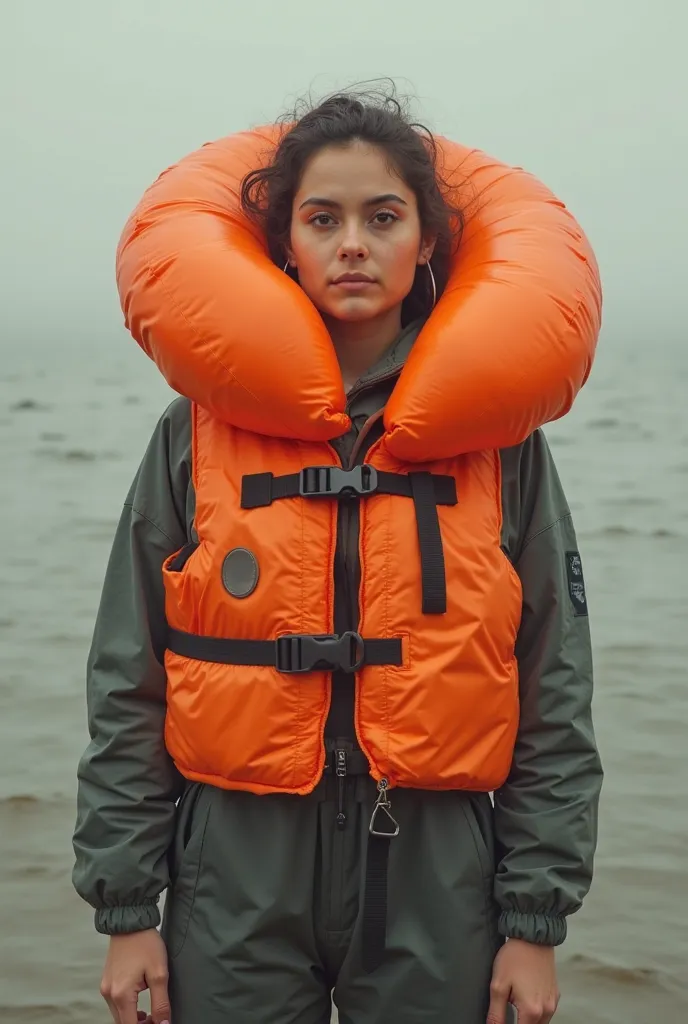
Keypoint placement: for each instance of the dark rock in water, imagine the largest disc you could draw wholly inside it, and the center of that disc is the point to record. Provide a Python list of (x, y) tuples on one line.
[(632, 501), (604, 423), (82, 455), (79, 455), (619, 972), (20, 800), (616, 531), (29, 405), (72, 455)]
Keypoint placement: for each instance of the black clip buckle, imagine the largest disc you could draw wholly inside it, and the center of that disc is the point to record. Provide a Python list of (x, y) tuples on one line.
[(304, 652), (332, 482)]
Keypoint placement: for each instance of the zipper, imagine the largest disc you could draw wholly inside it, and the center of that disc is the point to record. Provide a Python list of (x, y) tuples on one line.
[(336, 889), (346, 510), (333, 569), (341, 768), (355, 611), (350, 568)]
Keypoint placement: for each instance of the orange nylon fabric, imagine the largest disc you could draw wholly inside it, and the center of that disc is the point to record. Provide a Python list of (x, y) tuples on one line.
[(445, 719), (506, 350), (237, 727)]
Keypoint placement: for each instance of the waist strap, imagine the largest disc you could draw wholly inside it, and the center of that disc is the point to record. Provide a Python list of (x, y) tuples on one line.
[(308, 653), (292, 653)]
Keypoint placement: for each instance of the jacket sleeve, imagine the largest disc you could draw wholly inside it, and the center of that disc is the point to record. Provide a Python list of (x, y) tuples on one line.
[(127, 782), (546, 813)]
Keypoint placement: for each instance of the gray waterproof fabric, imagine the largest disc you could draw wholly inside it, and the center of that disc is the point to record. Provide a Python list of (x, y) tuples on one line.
[(255, 855), (262, 922)]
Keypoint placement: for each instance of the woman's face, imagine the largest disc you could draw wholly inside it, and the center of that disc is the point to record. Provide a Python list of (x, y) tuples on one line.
[(356, 236)]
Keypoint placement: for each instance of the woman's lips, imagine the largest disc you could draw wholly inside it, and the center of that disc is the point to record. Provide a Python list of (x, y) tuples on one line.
[(350, 285)]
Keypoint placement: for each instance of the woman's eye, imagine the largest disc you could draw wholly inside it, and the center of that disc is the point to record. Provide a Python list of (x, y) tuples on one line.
[(325, 220), (385, 217)]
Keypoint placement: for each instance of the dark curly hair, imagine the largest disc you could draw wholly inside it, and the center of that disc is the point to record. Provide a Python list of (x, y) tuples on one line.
[(378, 117)]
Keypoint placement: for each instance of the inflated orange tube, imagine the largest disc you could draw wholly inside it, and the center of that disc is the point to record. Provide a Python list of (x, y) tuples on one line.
[(507, 348)]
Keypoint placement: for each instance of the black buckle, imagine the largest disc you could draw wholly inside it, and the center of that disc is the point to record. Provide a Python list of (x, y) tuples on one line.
[(331, 482), (304, 652)]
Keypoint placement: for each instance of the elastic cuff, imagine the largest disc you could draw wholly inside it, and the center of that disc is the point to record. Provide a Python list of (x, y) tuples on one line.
[(123, 920), (541, 929)]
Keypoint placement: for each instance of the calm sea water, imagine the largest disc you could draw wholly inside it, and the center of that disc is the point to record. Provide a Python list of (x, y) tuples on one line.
[(73, 426)]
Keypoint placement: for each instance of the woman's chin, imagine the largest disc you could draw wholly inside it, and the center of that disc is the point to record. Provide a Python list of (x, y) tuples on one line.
[(352, 309)]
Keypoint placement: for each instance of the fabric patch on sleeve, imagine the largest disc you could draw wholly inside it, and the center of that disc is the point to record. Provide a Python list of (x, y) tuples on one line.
[(574, 574)]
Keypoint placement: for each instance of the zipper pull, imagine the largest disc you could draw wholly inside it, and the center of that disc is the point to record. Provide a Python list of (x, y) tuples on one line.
[(340, 764), (382, 822)]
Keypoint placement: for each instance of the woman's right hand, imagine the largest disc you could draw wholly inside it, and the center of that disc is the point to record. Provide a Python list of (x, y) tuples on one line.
[(135, 962)]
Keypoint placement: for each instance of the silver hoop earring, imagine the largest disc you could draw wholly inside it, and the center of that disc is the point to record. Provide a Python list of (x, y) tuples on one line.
[(432, 284), (286, 267)]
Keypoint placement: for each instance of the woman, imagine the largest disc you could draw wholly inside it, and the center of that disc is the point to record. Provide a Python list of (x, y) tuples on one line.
[(299, 702)]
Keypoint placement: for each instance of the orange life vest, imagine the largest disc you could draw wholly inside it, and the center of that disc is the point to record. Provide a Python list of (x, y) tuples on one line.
[(507, 348), (444, 718)]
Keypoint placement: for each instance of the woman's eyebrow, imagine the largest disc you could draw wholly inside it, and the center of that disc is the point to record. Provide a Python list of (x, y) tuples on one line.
[(331, 204)]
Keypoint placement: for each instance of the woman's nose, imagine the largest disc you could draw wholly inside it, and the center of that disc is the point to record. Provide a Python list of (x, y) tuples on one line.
[(353, 245)]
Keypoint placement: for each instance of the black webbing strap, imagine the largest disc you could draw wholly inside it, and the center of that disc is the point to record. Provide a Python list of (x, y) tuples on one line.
[(261, 489), (428, 490), (430, 543), (374, 931), (381, 831), (442, 488), (292, 653)]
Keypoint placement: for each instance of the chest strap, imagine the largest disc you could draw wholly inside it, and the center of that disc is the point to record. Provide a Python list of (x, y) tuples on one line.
[(427, 490), (290, 654)]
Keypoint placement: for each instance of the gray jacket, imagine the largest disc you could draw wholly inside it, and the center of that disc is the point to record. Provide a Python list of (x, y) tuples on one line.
[(546, 813)]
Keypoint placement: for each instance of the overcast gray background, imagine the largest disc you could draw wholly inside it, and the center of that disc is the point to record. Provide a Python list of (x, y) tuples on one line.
[(96, 99), (590, 95)]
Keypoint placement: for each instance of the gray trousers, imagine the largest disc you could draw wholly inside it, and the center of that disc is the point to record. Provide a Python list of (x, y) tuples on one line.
[(263, 917)]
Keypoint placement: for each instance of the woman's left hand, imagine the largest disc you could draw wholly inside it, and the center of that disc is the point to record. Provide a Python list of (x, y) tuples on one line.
[(524, 975)]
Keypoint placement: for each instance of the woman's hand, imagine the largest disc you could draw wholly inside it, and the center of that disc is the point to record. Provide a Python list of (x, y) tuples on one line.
[(524, 975), (136, 962)]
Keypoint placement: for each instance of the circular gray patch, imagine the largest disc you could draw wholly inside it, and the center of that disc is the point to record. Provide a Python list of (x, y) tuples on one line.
[(240, 572)]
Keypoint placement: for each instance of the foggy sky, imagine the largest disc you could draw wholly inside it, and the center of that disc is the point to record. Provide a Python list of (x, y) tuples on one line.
[(97, 98)]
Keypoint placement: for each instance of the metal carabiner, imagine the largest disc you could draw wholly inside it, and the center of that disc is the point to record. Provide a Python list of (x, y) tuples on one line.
[(382, 815)]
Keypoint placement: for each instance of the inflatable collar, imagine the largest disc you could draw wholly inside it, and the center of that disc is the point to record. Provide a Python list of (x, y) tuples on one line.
[(507, 348)]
